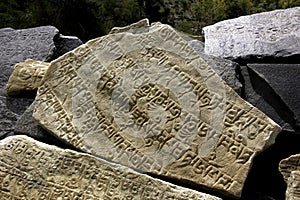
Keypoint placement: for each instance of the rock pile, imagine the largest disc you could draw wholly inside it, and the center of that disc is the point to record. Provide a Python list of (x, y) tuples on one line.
[(145, 99)]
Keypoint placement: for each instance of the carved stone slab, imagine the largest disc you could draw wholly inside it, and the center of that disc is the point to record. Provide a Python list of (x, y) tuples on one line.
[(34, 170), (27, 126), (137, 27), (148, 101), (275, 33), (290, 169), (26, 77), (223, 67), (17, 46)]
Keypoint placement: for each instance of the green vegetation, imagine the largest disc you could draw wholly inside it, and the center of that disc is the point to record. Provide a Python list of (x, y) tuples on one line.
[(92, 18)]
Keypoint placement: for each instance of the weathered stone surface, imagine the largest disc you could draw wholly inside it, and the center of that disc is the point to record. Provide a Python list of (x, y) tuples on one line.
[(275, 89), (275, 34), (224, 68), (290, 169), (17, 46), (26, 77), (148, 101), (27, 126), (137, 27), (33, 170), (64, 44)]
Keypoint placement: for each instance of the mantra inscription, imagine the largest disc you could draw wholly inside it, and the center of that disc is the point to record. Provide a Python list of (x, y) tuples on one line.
[(26, 77), (148, 101), (290, 169), (275, 33), (32, 170)]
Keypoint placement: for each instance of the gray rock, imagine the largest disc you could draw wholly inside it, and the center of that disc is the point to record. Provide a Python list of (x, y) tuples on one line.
[(64, 44), (270, 34), (25, 125), (16, 46), (275, 89), (226, 69)]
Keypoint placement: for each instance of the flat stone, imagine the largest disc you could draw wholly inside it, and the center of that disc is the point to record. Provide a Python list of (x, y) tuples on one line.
[(25, 125), (275, 89), (17, 46), (226, 69), (148, 101), (34, 170), (290, 169), (273, 34), (26, 77)]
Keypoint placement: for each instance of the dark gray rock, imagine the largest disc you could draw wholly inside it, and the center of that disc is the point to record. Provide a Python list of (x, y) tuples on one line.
[(226, 69), (274, 89), (16, 46), (64, 44), (25, 125), (273, 34)]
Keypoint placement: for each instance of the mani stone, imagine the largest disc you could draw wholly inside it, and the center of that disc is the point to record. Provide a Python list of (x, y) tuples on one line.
[(27, 126), (273, 34), (226, 69), (275, 89), (139, 26), (34, 170), (17, 46), (26, 77), (290, 169), (148, 101)]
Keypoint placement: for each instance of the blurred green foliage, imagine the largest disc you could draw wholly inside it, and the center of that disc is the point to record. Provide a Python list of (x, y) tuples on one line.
[(92, 18)]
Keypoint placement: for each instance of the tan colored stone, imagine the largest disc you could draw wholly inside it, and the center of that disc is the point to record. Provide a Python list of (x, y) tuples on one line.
[(139, 26), (148, 101), (33, 170), (290, 169), (26, 77)]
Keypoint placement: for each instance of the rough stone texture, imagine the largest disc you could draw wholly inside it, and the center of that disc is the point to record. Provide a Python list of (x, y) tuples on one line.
[(17, 46), (270, 34), (148, 101), (293, 186), (275, 89), (290, 170), (26, 77), (64, 44), (226, 69), (27, 126), (34, 170), (137, 27)]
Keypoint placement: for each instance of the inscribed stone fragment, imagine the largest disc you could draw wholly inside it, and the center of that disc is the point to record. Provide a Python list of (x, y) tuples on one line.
[(33, 170), (17, 46), (26, 77), (27, 126), (226, 69), (148, 101), (269, 34), (290, 169)]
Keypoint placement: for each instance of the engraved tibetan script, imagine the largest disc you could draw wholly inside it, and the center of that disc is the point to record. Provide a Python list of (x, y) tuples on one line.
[(26, 77), (33, 170), (275, 33), (148, 101), (290, 169)]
